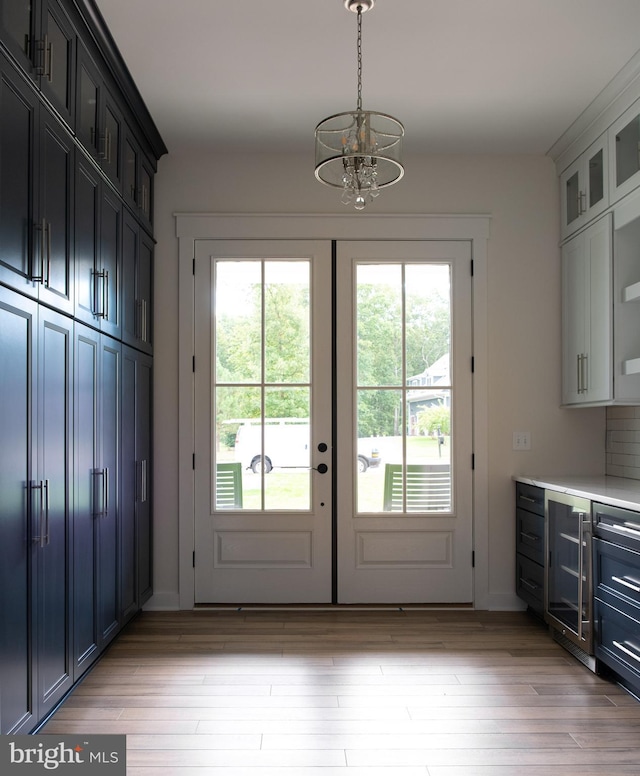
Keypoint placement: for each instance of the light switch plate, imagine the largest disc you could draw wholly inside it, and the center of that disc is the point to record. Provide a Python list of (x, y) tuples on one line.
[(522, 440)]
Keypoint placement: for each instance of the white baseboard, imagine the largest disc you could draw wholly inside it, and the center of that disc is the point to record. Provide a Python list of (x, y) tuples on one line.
[(162, 602), (505, 602), (496, 602)]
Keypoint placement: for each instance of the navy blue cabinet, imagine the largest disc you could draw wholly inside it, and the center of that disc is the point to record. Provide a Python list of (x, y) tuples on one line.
[(97, 493), (42, 38), (36, 351), (36, 195), (76, 290), (616, 569), (530, 546), (135, 544)]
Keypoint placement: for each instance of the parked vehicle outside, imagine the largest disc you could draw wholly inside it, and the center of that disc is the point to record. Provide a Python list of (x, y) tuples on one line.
[(286, 446)]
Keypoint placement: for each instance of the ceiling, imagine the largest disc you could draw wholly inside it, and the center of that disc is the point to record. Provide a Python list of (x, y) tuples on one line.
[(472, 76)]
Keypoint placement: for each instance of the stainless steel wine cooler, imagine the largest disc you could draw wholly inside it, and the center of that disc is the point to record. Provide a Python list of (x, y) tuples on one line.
[(568, 577)]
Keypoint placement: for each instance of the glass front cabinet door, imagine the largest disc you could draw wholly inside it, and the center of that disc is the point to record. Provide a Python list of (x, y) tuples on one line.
[(624, 153), (584, 188)]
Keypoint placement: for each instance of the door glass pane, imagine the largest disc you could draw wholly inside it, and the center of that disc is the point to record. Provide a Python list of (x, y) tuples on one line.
[(403, 314), (596, 178), (564, 576), (627, 154), (262, 377)]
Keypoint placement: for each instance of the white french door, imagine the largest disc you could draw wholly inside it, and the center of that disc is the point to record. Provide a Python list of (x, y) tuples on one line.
[(404, 528), (285, 513), (263, 422)]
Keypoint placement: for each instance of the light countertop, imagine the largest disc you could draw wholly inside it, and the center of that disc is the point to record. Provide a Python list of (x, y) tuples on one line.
[(616, 491)]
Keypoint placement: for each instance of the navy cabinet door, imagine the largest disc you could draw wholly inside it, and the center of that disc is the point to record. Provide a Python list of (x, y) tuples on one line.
[(144, 392), (18, 328), (54, 227), (137, 284), (88, 489), (107, 524), (19, 112), (129, 478), (111, 264), (52, 522)]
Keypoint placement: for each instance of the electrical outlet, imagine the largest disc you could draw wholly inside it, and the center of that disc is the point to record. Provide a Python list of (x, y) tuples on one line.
[(522, 440)]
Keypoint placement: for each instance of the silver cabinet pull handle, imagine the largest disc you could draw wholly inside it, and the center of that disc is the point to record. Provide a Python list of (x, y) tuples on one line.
[(145, 338), (40, 537), (138, 326), (105, 293), (41, 228), (49, 52), (98, 509), (531, 537), (626, 651), (527, 498), (624, 529), (529, 584), (635, 587), (47, 230), (144, 480), (47, 501), (106, 492), (579, 373)]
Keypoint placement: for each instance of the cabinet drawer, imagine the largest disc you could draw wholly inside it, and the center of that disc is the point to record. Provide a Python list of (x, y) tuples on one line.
[(530, 535), (530, 582), (530, 497), (617, 641), (621, 526), (617, 571)]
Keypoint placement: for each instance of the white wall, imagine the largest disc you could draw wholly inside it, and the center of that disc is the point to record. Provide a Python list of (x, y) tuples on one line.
[(521, 195)]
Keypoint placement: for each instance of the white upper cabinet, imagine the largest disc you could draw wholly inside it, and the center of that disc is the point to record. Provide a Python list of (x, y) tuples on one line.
[(624, 153), (587, 359), (626, 295), (584, 188)]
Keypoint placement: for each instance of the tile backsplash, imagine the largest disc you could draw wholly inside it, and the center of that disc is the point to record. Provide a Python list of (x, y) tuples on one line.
[(623, 442)]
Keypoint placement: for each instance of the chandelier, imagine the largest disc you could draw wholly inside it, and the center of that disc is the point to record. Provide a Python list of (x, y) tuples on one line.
[(359, 151)]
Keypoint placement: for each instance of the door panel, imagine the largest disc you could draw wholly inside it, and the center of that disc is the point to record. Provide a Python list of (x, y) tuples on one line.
[(404, 364), (86, 492), (19, 113), (55, 382), (263, 393), (18, 344), (108, 523), (54, 230)]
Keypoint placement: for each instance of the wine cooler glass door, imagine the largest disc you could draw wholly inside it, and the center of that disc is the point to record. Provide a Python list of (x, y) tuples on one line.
[(568, 565)]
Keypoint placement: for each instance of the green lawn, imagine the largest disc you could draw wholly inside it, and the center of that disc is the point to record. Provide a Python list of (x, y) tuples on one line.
[(289, 488)]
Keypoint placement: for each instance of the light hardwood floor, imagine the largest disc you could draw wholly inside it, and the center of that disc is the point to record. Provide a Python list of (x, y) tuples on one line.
[(359, 693)]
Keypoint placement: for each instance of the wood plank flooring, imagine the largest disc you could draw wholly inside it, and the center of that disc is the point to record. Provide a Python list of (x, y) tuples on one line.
[(353, 693)]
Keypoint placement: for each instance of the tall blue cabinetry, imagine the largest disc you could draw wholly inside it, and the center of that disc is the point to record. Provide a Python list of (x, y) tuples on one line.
[(76, 280)]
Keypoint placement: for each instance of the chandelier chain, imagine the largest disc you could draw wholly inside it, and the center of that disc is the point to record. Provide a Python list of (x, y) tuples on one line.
[(359, 58)]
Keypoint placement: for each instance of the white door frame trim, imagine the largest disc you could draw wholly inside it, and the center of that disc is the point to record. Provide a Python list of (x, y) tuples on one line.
[(235, 226)]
